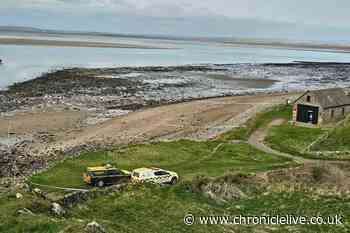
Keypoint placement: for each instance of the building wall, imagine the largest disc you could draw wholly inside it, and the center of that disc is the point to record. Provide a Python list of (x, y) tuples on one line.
[(325, 115), (304, 100), (337, 114)]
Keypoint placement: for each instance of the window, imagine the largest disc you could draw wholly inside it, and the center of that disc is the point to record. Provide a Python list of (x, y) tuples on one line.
[(308, 98), (113, 172), (99, 173), (161, 173), (332, 113), (343, 111)]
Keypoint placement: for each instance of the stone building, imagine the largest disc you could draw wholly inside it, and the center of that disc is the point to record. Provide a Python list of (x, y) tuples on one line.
[(315, 108)]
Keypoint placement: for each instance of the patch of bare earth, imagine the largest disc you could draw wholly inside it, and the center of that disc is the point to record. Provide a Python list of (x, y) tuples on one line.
[(196, 119)]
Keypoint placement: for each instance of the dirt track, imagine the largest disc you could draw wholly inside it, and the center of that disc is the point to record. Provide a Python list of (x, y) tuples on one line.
[(257, 140)]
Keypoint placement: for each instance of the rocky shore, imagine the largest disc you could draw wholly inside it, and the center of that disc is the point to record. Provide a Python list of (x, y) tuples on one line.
[(132, 88)]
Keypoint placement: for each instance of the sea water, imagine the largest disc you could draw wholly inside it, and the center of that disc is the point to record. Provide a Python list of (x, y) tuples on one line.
[(23, 62)]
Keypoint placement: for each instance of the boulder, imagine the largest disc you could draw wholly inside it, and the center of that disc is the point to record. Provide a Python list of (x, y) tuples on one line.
[(37, 191), (57, 209), (94, 227), (19, 196)]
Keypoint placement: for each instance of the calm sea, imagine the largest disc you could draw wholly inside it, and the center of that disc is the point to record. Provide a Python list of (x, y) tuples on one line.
[(26, 62)]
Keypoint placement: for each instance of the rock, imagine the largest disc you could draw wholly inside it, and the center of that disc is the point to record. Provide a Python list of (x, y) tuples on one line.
[(26, 187), (25, 211), (94, 227), (19, 196), (223, 191), (37, 190), (57, 209)]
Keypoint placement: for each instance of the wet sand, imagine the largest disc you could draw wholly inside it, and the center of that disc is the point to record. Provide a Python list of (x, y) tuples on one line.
[(246, 82), (291, 46), (69, 43), (97, 44)]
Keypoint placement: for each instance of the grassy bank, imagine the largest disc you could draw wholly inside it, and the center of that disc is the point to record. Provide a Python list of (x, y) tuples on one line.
[(147, 208), (295, 140), (338, 139), (153, 208), (260, 120), (187, 158), (291, 139)]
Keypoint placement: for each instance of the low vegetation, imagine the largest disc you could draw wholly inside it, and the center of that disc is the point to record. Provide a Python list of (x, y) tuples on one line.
[(338, 140), (291, 139), (317, 143), (259, 121), (36, 218), (153, 208), (187, 158)]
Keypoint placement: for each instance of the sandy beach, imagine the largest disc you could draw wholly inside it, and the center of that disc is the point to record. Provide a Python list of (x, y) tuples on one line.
[(72, 43), (59, 42), (333, 48)]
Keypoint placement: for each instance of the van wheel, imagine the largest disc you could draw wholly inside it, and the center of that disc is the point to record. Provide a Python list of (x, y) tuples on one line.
[(100, 183), (173, 180)]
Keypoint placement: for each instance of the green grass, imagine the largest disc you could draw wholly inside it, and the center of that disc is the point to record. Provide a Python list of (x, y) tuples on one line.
[(298, 203), (187, 158), (161, 209), (12, 222), (338, 140), (148, 209), (259, 121), (292, 139), (152, 208)]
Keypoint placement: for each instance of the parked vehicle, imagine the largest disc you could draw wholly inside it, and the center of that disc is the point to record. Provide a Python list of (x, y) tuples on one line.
[(154, 175), (105, 175)]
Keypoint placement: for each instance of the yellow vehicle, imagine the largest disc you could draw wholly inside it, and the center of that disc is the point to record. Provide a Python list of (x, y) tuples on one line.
[(105, 175)]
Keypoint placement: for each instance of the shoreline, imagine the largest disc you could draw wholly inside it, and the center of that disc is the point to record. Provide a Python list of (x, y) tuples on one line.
[(131, 88), (327, 48), (72, 43), (59, 42)]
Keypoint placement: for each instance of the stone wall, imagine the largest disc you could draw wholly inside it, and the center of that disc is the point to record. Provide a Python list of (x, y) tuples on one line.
[(337, 114)]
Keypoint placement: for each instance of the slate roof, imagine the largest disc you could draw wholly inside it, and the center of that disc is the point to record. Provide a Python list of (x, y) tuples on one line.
[(330, 98)]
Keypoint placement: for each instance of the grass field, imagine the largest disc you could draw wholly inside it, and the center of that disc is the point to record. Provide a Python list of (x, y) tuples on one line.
[(292, 139), (187, 158), (149, 208), (338, 140), (161, 209), (260, 120), (12, 222)]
